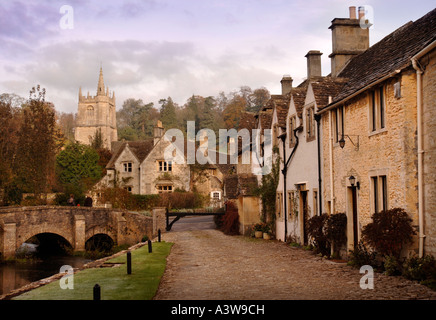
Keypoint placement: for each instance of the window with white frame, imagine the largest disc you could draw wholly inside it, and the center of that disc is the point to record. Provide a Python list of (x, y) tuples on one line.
[(215, 195)]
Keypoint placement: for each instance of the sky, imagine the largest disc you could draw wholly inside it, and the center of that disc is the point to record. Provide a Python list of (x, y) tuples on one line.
[(154, 49)]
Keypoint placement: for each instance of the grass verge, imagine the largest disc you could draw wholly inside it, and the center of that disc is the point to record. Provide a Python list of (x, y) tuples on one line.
[(115, 283)]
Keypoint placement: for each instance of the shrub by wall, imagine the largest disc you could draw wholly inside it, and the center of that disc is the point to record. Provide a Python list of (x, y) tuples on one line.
[(327, 231), (120, 198), (316, 230), (230, 220), (389, 231)]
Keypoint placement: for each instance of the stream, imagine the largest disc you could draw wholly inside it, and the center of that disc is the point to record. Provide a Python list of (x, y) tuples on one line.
[(14, 275)]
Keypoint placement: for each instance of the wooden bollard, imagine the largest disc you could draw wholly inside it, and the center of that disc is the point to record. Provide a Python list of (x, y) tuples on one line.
[(97, 293), (158, 235), (129, 262), (150, 249)]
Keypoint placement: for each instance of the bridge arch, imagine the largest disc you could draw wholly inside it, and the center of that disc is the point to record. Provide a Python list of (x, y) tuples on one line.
[(99, 242), (50, 243), (40, 231), (101, 229)]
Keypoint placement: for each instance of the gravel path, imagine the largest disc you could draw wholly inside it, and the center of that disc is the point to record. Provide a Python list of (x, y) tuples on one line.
[(208, 265)]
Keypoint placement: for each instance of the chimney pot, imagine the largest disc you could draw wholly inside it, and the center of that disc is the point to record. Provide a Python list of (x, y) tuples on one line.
[(361, 13), (352, 12)]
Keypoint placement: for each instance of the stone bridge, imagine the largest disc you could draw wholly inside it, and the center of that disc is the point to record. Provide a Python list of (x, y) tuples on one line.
[(75, 224)]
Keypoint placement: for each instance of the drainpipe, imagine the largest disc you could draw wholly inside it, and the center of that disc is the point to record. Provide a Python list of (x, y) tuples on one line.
[(332, 193), (285, 171), (419, 73), (318, 123)]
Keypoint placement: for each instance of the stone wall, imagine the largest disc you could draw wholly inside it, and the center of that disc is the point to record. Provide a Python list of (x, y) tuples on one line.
[(179, 177), (391, 151), (429, 132)]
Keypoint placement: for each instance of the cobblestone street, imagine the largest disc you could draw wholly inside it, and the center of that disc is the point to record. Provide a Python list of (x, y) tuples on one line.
[(205, 264)]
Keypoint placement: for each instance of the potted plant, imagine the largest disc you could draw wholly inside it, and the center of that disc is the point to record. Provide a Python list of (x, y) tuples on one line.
[(258, 230), (266, 232)]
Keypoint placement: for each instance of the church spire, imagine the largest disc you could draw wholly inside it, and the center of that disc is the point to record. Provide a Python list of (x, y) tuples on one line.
[(100, 88)]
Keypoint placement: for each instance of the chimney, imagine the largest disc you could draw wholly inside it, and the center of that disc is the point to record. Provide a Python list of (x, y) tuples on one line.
[(353, 13), (361, 13), (348, 40), (286, 84), (158, 132), (313, 64)]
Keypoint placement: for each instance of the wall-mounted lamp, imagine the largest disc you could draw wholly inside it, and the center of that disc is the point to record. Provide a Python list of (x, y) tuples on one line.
[(353, 182), (342, 141)]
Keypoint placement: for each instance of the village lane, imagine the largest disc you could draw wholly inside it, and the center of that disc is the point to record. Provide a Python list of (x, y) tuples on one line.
[(205, 264)]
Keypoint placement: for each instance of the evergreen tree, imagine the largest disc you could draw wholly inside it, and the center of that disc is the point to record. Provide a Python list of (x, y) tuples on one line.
[(77, 168), (97, 140), (168, 114), (138, 116)]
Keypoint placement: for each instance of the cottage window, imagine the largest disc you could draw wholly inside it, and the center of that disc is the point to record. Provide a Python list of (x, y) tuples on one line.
[(338, 123), (315, 202), (129, 189), (127, 166), (165, 166), (279, 205), (292, 127), (377, 109), (379, 193), (292, 200), (310, 123), (164, 188), (216, 195), (275, 135)]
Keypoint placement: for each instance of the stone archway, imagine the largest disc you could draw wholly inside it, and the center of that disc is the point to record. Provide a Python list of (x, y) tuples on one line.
[(50, 243)]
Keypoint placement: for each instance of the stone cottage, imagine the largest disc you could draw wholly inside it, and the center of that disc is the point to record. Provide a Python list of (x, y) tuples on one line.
[(142, 168), (373, 129)]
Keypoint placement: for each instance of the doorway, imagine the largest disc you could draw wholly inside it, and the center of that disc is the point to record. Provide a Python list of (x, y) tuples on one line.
[(353, 217)]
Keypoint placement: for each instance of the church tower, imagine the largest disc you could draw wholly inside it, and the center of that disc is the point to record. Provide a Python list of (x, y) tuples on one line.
[(97, 113)]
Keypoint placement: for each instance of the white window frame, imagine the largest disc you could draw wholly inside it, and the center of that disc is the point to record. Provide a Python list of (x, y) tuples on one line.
[(213, 193)]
